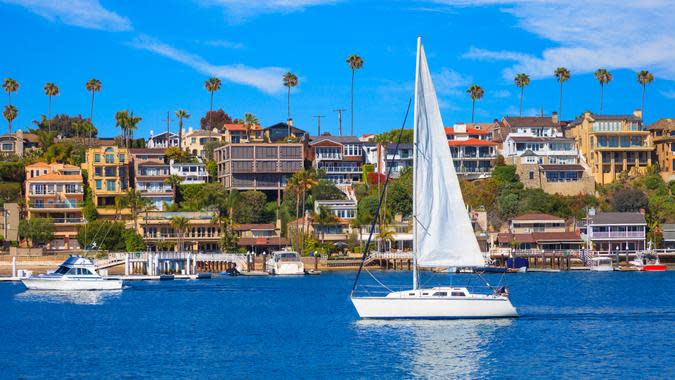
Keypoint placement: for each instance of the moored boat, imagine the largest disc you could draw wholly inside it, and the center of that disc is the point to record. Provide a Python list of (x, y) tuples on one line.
[(601, 264), (76, 273), (285, 263)]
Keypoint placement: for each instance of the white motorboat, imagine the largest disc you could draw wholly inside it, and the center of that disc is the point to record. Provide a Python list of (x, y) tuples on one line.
[(76, 273), (601, 264), (285, 263), (442, 232)]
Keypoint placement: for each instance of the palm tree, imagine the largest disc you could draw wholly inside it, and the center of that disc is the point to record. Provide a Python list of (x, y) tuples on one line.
[(10, 113), (93, 85), (45, 139), (476, 93), (562, 75), (324, 217), (181, 114), (250, 121), (522, 80), (174, 180), (127, 123), (307, 179), (135, 202), (289, 80), (212, 85), (180, 224), (644, 77), (10, 85), (51, 90), (603, 76), (355, 63), (293, 185)]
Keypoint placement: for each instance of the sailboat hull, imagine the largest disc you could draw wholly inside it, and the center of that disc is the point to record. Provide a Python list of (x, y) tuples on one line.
[(403, 305)]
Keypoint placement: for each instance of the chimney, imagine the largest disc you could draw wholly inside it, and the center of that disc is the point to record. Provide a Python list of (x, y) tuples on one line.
[(290, 122), (638, 113), (554, 118)]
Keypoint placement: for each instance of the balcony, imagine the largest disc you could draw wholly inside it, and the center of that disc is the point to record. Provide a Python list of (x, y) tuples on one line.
[(341, 169), (617, 234), (188, 236), (68, 220)]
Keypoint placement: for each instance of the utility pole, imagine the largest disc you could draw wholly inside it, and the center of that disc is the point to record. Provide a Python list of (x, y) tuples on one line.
[(339, 112), (318, 126), (168, 130)]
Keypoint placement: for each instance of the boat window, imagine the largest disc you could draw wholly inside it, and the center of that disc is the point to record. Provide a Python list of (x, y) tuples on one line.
[(425, 294), (441, 294), (72, 271), (411, 294), (86, 271), (458, 294), (61, 270)]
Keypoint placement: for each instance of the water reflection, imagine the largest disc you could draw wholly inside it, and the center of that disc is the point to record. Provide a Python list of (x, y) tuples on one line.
[(441, 349), (69, 297)]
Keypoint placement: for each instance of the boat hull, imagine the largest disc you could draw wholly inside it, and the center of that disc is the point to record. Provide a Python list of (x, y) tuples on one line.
[(73, 284), (430, 308), (287, 269), (654, 268)]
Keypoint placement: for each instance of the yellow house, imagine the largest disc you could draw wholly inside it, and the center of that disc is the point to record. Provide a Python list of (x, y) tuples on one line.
[(612, 144), (108, 174), (663, 133)]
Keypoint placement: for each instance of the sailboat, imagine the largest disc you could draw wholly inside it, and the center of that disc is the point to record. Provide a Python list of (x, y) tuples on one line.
[(442, 232)]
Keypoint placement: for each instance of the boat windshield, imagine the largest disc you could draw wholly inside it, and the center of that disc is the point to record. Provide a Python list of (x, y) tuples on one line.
[(287, 256), (62, 270)]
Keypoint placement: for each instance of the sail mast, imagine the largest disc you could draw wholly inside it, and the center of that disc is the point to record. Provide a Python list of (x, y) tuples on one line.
[(414, 213)]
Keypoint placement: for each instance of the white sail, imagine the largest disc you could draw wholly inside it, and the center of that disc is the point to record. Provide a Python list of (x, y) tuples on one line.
[(444, 236)]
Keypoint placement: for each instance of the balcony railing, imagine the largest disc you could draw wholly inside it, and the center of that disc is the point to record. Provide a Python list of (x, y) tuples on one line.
[(336, 169), (60, 205), (617, 234), (176, 236), (68, 220)]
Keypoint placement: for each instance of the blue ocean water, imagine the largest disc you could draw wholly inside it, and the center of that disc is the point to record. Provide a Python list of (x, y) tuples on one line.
[(572, 325)]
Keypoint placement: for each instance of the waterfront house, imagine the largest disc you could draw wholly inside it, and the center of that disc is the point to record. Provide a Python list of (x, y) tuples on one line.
[(201, 235), (384, 156), (108, 171), (258, 166), (237, 133), (663, 134), (150, 172), (617, 231), (340, 157), (162, 140), (195, 140), (539, 231), (259, 238), (17, 143), (189, 172), (613, 144), (279, 133), (473, 152), (55, 191)]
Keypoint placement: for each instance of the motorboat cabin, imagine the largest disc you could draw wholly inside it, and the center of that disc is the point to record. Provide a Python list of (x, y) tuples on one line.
[(76, 273), (285, 263)]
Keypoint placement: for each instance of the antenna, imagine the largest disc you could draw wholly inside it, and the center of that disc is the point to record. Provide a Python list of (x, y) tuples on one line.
[(318, 124), (168, 129), (339, 112)]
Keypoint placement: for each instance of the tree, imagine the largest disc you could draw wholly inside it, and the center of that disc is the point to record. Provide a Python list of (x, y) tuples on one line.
[(211, 85), (45, 138), (135, 202), (562, 75), (174, 180), (391, 137), (176, 154), (181, 114), (603, 76), (250, 122), (180, 224), (103, 235), (65, 125), (217, 117), (476, 93), (127, 123), (38, 231), (355, 63), (51, 90), (326, 190), (324, 217), (399, 195), (629, 200), (644, 77), (93, 85), (522, 80), (133, 241), (10, 86), (250, 208), (289, 80), (10, 113)]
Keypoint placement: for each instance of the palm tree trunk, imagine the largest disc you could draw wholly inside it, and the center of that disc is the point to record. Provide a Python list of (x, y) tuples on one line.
[(49, 121), (91, 112), (180, 133), (522, 90), (289, 111), (560, 109), (302, 237), (642, 108), (352, 115), (602, 91), (473, 108), (297, 213)]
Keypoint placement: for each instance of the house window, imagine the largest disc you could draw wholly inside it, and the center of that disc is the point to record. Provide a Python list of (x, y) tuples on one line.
[(109, 159), (110, 185), (122, 157), (99, 185), (97, 157), (531, 175), (7, 147)]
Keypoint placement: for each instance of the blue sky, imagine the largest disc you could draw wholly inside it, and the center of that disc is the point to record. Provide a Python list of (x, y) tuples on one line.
[(153, 59)]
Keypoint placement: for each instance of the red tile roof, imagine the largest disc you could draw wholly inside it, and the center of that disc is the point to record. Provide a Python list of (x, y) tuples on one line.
[(471, 142), (536, 216), (469, 131), (536, 237), (239, 127)]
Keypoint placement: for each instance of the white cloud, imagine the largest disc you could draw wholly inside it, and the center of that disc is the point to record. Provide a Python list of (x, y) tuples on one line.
[(223, 44), (88, 14), (588, 34), (670, 94), (267, 79), (499, 94), (451, 82), (238, 10)]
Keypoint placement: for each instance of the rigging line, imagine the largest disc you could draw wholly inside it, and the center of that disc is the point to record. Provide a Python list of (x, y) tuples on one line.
[(378, 281), (426, 229), (379, 203)]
